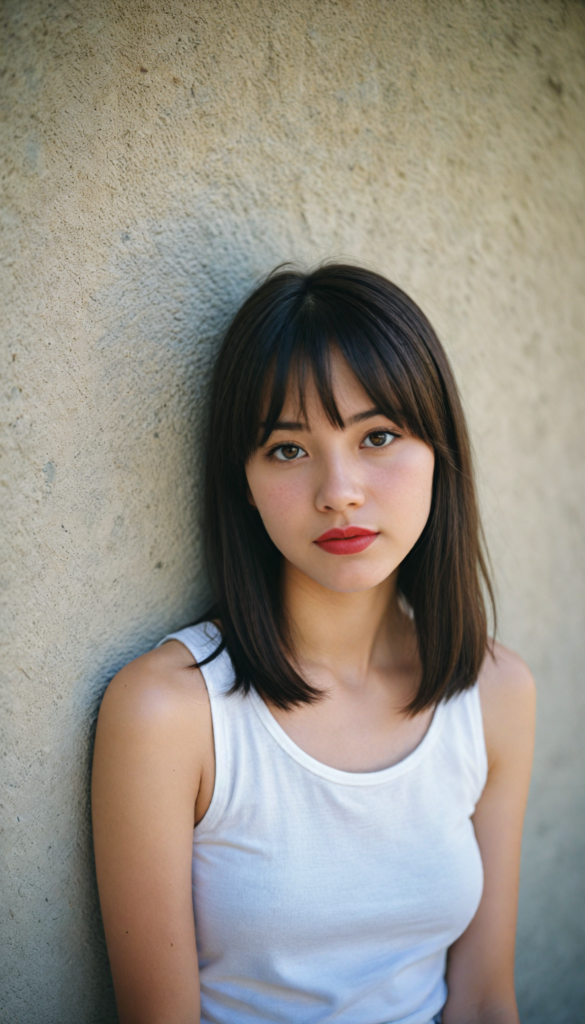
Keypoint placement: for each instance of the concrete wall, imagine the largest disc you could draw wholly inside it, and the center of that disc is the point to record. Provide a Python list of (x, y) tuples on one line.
[(159, 156)]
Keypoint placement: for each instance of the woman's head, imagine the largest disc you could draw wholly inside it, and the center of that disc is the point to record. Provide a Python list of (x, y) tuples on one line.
[(333, 405)]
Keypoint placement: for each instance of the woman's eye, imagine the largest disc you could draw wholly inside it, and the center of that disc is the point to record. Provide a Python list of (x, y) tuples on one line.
[(287, 452), (379, 439)]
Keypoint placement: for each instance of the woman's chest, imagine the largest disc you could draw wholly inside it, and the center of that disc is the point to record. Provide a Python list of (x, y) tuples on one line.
[(309, 863)]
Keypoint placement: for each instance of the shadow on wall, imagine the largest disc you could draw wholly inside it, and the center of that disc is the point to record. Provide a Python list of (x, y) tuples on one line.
[(173, 288)]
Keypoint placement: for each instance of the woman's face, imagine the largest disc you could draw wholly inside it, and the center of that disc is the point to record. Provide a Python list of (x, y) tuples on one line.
[(344, 506)]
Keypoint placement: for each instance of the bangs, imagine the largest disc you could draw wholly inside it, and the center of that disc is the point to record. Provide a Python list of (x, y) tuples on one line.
[(378, 354)]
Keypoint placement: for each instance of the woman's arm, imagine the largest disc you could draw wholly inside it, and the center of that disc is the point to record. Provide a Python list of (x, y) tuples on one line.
[(153, 767), (480, 972)]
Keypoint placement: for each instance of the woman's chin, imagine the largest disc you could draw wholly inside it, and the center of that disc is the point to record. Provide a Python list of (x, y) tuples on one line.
[(350, 579)]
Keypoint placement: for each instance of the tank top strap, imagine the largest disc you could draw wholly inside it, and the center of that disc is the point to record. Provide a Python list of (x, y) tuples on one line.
[(202, 640), (464, 734)]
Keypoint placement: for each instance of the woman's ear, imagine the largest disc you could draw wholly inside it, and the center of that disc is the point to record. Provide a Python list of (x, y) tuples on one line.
[(250, 498)]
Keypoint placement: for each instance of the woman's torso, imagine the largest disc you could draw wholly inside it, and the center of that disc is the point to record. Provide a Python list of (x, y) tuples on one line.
[(322, 895)]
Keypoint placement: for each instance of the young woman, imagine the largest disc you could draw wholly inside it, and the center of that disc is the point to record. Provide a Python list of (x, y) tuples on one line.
[(308, 807)]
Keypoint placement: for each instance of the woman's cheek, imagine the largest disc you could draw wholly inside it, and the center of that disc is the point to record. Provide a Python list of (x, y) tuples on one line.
[(282, 508), (404, 495)]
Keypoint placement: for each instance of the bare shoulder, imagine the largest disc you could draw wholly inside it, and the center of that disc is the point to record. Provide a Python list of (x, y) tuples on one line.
[(505, 676), (161, 688), (154, 742), (508, 698)]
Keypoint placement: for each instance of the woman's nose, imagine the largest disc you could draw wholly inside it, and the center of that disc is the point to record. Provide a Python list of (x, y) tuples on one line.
[(339, 487)]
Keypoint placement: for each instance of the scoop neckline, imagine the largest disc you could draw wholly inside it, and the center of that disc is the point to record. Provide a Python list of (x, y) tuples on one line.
[(326, 771)]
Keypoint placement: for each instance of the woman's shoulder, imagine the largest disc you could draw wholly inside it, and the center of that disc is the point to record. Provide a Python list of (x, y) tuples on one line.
[(508, 696), (505, 679), (161, 691)]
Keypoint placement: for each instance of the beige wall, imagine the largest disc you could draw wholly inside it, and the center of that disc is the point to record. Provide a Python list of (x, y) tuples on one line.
[(160, 156)]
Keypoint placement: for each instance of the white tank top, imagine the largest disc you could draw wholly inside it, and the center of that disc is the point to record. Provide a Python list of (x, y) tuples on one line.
[(329, 896)]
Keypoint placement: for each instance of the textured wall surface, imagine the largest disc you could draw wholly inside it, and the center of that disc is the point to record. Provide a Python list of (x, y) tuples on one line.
[(159, 156)]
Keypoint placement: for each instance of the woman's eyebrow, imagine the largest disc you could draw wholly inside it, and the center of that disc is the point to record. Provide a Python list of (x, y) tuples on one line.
[(366, 415), (286, 425), (297, 425)]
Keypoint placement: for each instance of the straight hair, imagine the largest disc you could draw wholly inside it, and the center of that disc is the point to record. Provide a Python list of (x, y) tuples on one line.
[(282, 334)]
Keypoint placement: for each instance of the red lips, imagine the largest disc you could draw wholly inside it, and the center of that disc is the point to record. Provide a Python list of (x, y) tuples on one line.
[(346, 540)]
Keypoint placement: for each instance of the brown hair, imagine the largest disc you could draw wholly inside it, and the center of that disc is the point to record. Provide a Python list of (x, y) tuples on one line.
[(290, 322)]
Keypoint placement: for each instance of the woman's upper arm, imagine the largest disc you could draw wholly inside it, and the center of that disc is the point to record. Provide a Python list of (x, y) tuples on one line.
[(481, 963), (153, 736)]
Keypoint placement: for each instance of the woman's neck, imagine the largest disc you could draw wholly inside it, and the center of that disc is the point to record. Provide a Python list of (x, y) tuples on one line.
[(345, 635)]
